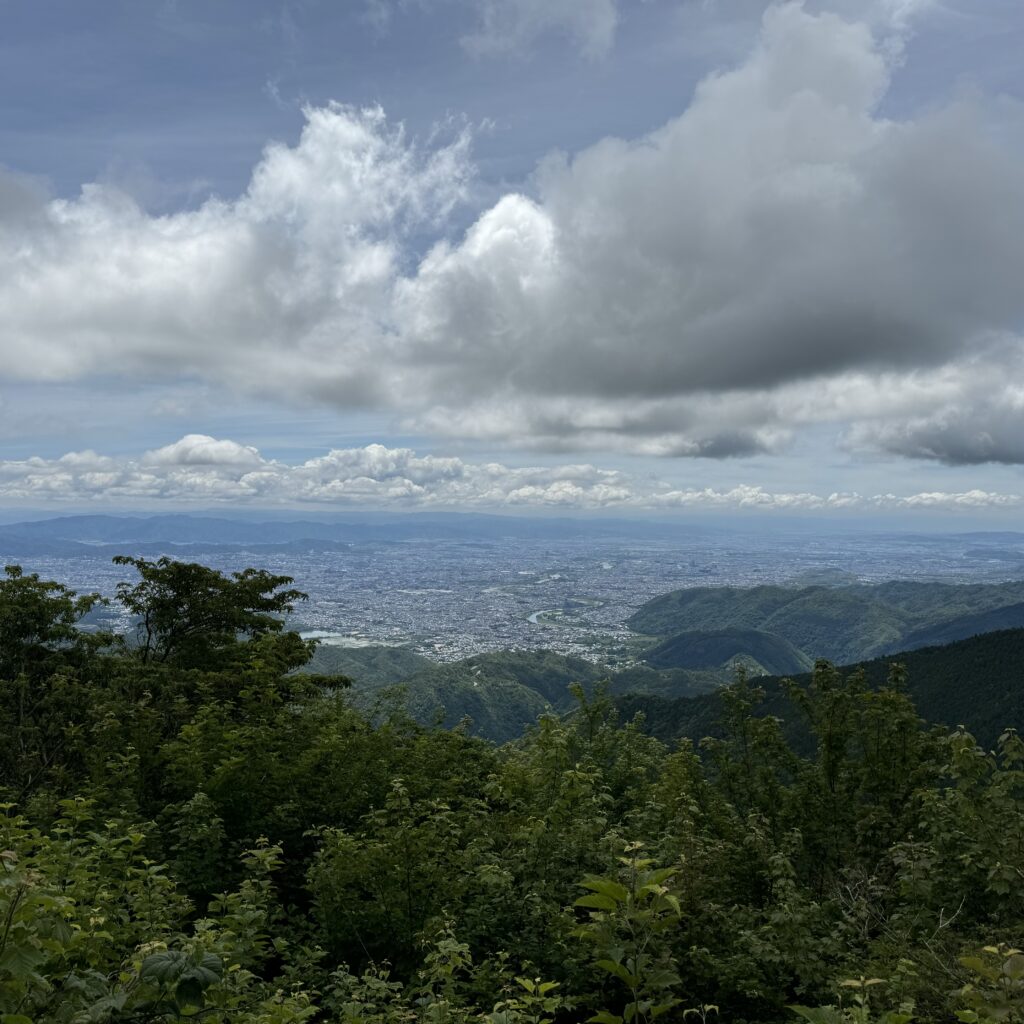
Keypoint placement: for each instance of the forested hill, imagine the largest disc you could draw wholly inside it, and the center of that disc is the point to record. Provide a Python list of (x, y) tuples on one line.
[(729, 648), (844, 624), (499, 694), (976, 683)]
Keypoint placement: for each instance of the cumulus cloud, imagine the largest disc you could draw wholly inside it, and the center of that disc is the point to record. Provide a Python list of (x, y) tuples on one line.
[(283, 290), (202, 450), (201, 468), (204, 470), (777, 229), (967, 411), (778, 255)]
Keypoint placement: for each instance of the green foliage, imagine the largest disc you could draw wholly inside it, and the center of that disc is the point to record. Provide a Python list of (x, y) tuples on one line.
[(628, 920), (197, 831), (973, 683), (47, 666), (996, 989), (532, 1002), (858, 1010), (188, 614)]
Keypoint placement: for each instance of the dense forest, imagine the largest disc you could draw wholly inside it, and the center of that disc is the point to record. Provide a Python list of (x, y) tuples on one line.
[(194, 829)]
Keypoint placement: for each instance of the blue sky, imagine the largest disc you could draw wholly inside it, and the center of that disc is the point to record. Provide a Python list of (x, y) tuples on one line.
[(670, 255)]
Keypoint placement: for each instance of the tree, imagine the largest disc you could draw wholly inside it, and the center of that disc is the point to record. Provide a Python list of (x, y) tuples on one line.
[(189, 614), (38, 624), (46, 665)]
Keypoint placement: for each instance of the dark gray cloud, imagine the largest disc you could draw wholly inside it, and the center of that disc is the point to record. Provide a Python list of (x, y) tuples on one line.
[(777, 230), (965, 413)]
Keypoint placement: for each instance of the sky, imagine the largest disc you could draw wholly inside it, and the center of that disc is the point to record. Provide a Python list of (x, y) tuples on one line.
[(654, 256)]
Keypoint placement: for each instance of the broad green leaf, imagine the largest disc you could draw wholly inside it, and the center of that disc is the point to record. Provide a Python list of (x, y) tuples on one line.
[(607, 887), (618, 970), (661, 876), (662, 1008), (21, 959), (595, 901)]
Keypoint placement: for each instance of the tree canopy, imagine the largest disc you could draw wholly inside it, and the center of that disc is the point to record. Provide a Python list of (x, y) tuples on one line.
[(190, 829), (187, 612)]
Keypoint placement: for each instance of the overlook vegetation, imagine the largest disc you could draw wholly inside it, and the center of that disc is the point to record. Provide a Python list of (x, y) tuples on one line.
[(497, 695), (192, 829)]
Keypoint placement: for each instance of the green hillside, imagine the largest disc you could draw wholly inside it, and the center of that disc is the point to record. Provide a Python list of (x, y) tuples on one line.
[(1010, 617), (707, 649), (374, 665), (843, 624), (977, 683), (500, 692), (497, 709), (668, 682)]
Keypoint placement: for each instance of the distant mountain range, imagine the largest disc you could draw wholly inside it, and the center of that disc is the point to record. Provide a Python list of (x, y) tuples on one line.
[(106, 535)]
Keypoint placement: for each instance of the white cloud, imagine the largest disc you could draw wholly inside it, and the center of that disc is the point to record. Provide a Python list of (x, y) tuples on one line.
[(203, 470), (202, 450), (284, 290), (514, 26), (780, 255)]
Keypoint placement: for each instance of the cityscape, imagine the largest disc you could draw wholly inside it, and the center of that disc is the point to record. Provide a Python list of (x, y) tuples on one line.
[(449, 599)]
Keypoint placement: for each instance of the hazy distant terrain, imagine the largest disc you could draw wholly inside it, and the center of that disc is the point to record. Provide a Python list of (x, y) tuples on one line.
[(449, 586), (492, 618)]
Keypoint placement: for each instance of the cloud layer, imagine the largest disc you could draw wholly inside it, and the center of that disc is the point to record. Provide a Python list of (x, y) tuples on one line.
[(198, 469), (778, 256)]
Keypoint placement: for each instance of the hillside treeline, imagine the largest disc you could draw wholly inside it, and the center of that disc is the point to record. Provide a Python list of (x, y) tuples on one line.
[(194, 830)]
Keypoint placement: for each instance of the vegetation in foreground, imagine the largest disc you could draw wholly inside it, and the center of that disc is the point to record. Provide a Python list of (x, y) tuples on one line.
[(194, 830)]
